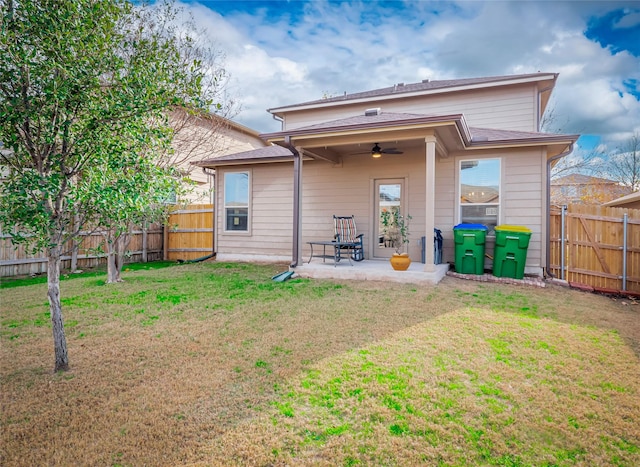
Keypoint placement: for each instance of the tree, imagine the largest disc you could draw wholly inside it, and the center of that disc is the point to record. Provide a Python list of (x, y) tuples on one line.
[(189, 133), (79, 79), (624, 165), (586, 163)]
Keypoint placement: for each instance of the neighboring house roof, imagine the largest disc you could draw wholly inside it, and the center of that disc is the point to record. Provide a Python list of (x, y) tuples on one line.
[(579, 179), (629, 201), (478, 194), (402, 90), (584, 189)]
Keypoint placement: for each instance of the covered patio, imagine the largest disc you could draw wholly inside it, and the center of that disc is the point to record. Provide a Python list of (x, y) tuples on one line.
[(370, 270)]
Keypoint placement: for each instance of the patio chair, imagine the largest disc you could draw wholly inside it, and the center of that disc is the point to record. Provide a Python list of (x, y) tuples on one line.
[(346, 232)]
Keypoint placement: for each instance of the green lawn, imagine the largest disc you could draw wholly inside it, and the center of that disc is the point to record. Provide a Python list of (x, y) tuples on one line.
[(215, 364)]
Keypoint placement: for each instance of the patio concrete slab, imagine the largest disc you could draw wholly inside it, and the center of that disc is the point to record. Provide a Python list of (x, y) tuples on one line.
[(371, 270)]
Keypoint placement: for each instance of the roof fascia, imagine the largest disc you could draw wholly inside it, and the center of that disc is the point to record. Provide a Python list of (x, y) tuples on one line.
[(279, 111), (213, 164), (359, 128), (534, 141)]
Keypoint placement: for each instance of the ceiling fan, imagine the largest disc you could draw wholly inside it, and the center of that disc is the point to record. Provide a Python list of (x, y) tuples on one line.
[(377, 151)]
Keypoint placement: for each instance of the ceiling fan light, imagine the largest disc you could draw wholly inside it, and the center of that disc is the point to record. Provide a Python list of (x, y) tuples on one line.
[(376, 152)]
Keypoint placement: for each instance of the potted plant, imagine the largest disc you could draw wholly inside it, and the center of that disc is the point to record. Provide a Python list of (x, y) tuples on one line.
[(396, 230)]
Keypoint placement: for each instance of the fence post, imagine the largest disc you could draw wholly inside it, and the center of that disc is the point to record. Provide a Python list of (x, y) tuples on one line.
[(165, 241), (625, 225), (75, 244), (563, 219), (144, 242)]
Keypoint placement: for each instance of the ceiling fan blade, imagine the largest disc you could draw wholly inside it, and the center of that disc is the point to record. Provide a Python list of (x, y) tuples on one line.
[(392, 151)]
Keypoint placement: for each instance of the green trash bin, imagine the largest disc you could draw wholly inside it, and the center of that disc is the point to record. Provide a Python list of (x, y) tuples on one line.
[(469, 248), (510, 254)]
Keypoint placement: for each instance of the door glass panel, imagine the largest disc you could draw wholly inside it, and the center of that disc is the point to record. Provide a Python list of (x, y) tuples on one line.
[(389, 195)]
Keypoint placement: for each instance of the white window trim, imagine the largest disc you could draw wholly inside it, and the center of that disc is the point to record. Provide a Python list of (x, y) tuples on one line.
[(458, 186), (249, 205)]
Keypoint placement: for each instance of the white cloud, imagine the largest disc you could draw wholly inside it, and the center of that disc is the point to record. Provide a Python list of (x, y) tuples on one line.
[(280, 59), (628, 21)]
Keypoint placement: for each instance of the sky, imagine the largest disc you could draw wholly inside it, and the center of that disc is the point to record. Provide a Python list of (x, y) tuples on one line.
[(286, 52)]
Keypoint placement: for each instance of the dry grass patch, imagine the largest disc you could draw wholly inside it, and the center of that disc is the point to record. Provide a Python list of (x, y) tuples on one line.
[(214, 363)]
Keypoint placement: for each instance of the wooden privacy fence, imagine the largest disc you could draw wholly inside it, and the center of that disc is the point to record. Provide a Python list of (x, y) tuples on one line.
[(189, 234), (145, 245), (596, 246)]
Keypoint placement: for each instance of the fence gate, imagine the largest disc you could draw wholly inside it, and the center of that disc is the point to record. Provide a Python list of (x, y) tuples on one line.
[(596, 246), (189, 233)]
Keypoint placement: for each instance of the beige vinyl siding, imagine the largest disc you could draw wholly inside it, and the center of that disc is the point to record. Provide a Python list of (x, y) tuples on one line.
[(270, 213), (509, 108), (523, 199), (446, 204), (197, 144), (348, 189)]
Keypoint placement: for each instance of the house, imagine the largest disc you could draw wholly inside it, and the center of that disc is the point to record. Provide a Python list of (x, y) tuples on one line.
[(448, 152), (630, 201), (200, 135), (583, 189)]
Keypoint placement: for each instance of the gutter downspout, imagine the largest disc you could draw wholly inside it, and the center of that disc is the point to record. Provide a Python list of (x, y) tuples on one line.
[(297, 165), (279, 119), (554, 158), (212, 174)]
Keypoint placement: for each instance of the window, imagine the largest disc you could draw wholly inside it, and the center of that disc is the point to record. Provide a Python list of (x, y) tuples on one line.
[(480, 192), (236, 201)]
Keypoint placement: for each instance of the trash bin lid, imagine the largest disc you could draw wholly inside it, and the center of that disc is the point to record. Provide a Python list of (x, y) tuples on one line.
[(513, 228), (470, 227)]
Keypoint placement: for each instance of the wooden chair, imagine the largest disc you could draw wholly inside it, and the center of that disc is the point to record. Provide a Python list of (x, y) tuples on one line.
[(347, 233)]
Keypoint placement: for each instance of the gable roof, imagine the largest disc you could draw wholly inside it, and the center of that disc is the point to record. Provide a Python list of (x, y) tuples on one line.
[(402, 90)]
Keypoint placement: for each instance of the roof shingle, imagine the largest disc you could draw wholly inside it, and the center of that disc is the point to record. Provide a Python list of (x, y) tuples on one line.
[(425, 85)]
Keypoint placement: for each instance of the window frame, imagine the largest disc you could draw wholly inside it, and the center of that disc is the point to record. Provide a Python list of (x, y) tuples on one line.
[(225, 217), (498, 205)]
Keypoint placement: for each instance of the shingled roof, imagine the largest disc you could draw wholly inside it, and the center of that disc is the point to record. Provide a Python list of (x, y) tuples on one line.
[(424, 86), (267, 154)]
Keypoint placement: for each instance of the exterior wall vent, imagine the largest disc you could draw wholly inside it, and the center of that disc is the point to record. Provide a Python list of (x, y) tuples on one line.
[(372, 112), (479, 138)]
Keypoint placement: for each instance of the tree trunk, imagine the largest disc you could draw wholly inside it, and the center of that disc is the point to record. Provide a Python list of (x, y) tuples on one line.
[(116, 249), (113, 274), (122, 243), (55, 308)]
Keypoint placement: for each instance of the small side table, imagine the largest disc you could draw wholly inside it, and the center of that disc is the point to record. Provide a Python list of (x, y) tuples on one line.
[(337, 250)]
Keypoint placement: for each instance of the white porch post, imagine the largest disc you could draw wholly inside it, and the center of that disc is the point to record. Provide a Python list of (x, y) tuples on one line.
[(430, 199)]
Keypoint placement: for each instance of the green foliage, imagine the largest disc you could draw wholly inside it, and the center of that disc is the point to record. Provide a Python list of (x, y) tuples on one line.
[(395, 227), (85, 89)]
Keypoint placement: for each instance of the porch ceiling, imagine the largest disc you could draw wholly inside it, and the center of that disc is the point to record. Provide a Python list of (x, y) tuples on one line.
[(406, 140)]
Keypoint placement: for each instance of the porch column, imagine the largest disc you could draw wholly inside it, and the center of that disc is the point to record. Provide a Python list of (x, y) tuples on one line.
[(430, 200), (298, 206)]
